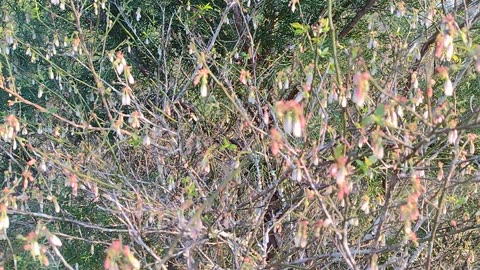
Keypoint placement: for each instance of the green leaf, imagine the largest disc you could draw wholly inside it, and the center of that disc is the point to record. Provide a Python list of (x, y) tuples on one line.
[(323, 53), (324, 24), (463, 35), (455, 58), (361, 165), (380, 111), (367, 121), (370, 161), (135, 140), (297, 25), (205, 7), (331, 67), (299, 28), (227, 145), (338, 151), (379, 114), (53, 109)]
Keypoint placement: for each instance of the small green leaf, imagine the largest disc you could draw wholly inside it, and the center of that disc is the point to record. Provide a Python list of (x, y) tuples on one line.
[(53, 109), (367, 121), (338, 151), (299, 28), (463, 35), (455, 58), (380, 111), (297, 25), (323, 53), (205, 7), (324, 24), (379, 115), (135, 140), (227, 145)]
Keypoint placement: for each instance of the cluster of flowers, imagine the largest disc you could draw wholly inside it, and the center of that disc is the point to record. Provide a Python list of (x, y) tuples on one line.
[(120, 258), (409, 211), (444, 49), (291, 112), (121, 67), (33, 243)]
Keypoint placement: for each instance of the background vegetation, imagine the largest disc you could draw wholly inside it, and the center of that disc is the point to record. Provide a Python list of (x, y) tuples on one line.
[(239, 134)]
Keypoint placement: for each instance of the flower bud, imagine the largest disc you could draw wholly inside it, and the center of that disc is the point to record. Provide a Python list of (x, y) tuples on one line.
[(138, 14), (448, 87), (203, 90), (449, 52), (4, 221), (365, 205), (297, 128), (452, 136), (146, 140), (35, 249), (54, 240), (287, 123)]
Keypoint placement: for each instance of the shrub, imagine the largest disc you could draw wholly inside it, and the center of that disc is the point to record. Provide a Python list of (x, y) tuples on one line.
[(239, 134)]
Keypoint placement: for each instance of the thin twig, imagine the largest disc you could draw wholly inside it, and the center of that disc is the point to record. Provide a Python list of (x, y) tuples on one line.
[(63, 219)]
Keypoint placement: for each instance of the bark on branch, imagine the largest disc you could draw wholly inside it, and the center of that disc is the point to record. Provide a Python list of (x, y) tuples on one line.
[(356, 19)]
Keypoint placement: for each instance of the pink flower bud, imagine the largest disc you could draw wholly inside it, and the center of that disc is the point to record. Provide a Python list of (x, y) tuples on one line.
[(358, 97), (327, 222)]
